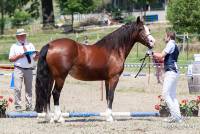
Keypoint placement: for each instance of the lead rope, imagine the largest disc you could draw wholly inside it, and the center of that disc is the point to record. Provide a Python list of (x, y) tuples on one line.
[(149, 71), (142, 65)]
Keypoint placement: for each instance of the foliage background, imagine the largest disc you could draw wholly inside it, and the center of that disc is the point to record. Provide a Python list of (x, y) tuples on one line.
[(184, 15)]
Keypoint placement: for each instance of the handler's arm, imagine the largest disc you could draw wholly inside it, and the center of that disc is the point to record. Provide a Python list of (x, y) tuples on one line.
[(160, 55), (16, 57)]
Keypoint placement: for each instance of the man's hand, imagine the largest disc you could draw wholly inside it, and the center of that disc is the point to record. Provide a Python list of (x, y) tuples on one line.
[(36, 57), (20, 56), (16, 57)]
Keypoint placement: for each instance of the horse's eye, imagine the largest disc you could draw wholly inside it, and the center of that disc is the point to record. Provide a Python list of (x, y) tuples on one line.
[(140, 29)]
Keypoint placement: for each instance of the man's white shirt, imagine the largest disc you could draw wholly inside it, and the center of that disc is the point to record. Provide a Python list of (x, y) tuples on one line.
[(17, 49)]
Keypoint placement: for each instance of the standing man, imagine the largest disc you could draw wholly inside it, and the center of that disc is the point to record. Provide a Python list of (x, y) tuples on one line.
[(170, 55), (23, 54)]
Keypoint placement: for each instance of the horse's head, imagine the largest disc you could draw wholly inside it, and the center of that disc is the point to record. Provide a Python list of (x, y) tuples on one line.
[(144, 36)]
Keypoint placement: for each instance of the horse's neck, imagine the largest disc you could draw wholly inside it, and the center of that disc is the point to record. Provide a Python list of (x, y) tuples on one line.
[(123, 46), (127, 49)]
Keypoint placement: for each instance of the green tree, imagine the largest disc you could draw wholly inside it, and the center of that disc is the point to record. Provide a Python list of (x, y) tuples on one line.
[(8, 9), (47, 13), (20, 18), (143, 3), (184, 15), (80, 6)]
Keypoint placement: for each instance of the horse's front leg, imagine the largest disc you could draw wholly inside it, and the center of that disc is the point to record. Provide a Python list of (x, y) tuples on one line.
[(110, 89), (56, 96)]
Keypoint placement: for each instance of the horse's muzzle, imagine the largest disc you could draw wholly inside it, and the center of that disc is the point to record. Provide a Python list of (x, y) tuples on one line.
[(151, 41), (150, 45)]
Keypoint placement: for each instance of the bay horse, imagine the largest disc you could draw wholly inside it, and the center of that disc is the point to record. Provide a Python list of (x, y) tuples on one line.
[(103, 60)]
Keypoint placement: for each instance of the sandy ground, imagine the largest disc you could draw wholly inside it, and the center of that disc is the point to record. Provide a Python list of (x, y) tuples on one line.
[(132, 95)]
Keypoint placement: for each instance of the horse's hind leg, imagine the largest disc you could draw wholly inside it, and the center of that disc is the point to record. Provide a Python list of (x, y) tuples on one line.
[(47, 110), (110, 89), (56, 96), (47, 103)]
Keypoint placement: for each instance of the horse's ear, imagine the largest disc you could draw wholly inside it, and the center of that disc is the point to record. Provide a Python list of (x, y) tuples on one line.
[(138, 20)]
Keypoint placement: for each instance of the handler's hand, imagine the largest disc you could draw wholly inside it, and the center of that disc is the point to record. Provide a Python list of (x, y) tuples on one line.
[(158, 57)]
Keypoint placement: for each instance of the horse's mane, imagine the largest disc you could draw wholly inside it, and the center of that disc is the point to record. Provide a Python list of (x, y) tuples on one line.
[(119, 37)]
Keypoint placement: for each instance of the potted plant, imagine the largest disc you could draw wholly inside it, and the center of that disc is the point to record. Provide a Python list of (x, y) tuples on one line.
[(3, 105), (190, 108), (162, 107), (187, 108)]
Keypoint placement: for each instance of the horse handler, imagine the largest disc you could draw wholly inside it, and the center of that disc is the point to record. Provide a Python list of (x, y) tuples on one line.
[(170, 55), (23, 66)]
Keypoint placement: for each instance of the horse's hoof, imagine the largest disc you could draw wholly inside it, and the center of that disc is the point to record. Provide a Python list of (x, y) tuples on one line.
[(61, 120), (56, 118), (48, 118), (110, 119)]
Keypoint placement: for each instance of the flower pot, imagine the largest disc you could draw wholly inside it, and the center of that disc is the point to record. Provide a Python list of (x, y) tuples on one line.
[(183, 112), (164, 112), (195, 112), (2, 113)]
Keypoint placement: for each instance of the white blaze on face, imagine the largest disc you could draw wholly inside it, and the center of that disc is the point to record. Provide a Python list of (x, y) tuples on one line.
[(149, 36)]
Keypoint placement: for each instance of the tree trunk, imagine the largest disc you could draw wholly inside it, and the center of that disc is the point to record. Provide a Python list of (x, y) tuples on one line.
[(72, 21), (2, 19), (47, 13)]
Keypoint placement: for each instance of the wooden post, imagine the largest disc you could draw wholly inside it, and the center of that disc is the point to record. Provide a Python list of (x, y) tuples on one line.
[(187, 46), (101, 90)]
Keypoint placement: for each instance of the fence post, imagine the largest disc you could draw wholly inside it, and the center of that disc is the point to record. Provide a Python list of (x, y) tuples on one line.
[(187, 46)]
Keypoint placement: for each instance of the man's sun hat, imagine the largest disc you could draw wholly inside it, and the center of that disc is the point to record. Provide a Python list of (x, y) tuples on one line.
[(20, 32)]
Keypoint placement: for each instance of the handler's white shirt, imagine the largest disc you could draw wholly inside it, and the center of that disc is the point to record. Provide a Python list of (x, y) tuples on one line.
[(16, 49)]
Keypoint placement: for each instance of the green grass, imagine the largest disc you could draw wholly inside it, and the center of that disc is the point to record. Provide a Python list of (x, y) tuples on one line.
[(39, 38)]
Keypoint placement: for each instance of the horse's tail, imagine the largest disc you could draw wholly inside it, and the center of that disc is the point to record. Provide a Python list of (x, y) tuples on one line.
[(44, 81)]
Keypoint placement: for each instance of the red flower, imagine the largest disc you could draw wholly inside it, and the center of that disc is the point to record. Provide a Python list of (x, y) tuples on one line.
[(184, 102), (1, 97), (10, 100), (198, 98), (157, 107), (159, 96)]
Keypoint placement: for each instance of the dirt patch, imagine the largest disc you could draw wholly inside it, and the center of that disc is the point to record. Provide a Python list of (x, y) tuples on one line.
[(132, 95)]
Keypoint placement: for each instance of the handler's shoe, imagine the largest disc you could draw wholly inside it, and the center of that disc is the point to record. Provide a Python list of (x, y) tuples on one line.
[(173, 120), (18, 108), (29, 109)]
